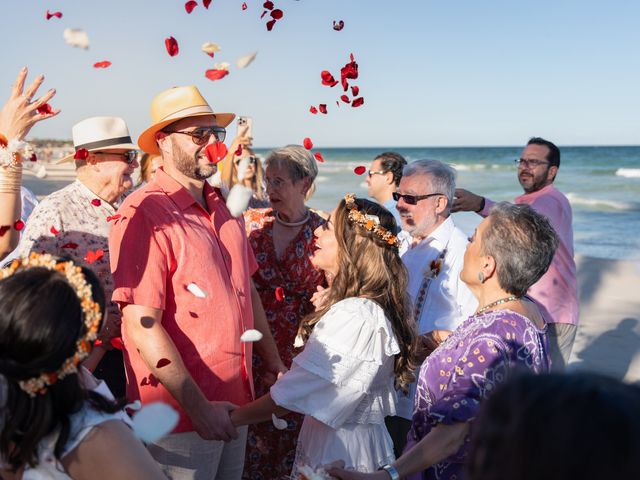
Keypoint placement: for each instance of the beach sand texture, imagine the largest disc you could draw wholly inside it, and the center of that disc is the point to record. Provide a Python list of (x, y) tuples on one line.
[(608, 337)]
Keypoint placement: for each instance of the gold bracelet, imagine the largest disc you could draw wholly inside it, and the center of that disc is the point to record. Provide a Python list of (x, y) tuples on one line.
[(10, 178)]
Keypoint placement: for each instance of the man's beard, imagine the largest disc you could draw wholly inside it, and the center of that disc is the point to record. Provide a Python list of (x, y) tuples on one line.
[(190, 166)]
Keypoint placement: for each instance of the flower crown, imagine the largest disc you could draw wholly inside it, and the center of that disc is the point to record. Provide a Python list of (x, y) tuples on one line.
[(369, 222), (92, 316)]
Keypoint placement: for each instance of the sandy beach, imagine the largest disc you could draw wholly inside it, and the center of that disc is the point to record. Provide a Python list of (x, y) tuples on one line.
[(608, 338)]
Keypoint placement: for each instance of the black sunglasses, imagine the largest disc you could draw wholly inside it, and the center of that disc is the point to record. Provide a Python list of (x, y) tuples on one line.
[(412, 199), (129, 156), (252, 160), (201, 135)]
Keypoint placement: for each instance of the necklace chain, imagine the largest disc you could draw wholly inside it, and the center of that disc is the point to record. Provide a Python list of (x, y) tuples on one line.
[(293, 224), (496, 303)]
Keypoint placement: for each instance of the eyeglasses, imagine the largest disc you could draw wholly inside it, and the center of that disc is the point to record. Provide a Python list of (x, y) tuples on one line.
[(201, 135), (412, 199), (252, 160), (129, 156), (523, 162), (371, 173)]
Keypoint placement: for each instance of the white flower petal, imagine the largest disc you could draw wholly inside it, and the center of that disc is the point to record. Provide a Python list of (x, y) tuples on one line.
[(41, 172), (154, 421), (279, 423), (245, 61), (242, 166), (196, 290), (221, 66), (136, 405), (76, 37), (238, 199), (251, 336), (208, 47)]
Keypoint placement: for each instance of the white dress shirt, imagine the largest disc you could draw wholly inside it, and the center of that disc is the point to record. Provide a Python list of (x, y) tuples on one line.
[(448, 301)]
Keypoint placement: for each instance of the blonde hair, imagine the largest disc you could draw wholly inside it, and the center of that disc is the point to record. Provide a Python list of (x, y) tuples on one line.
[(229, 173), (369, 268)]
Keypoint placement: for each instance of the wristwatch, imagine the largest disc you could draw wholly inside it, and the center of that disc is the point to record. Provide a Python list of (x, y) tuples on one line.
[(391, 470)]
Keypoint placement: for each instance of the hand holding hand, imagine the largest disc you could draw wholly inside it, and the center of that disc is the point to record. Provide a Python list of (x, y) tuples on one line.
[(273, 372), (19, 113), (466, 201), (214, 423)]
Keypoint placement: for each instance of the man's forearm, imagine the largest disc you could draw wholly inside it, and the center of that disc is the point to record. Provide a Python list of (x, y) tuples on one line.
[(164, 362)]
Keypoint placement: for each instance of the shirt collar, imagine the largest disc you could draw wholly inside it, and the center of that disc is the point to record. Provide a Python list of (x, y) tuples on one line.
[(441, 235), (174, 189), (90, 195)]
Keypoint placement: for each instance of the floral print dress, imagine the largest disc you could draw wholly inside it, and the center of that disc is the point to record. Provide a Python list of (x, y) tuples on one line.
[(285, 285)]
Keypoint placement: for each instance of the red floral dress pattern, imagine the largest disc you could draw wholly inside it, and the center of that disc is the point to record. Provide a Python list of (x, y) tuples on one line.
[(270, 452)]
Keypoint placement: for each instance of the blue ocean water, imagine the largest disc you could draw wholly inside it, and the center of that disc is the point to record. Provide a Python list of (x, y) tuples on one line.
[(602, 184)]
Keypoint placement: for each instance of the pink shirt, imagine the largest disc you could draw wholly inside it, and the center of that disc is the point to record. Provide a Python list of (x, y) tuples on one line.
[(557, 291), (164, 242)]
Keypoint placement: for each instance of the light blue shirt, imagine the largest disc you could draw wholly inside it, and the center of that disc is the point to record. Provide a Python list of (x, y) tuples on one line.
[(391, 206)]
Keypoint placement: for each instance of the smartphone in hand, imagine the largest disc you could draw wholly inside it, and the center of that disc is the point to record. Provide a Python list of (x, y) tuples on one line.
[(245, 127)]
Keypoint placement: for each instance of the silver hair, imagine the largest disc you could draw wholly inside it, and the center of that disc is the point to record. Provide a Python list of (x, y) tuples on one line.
[(298, 160), (522, 242), (442, 176)]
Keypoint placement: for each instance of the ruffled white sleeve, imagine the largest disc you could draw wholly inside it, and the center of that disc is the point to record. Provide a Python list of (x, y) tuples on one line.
[(348, 355)]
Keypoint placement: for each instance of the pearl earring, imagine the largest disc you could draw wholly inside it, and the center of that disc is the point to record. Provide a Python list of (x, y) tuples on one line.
[(481, 277)]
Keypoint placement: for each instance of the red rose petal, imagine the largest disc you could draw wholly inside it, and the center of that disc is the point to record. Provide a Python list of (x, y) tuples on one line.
[(279, 294), (349, 71), (116, 342), (337, 26), (44, 109), (323, 108), (48, 15), (345, 99), (81, 154), (244, 5), (163, 362), (238, 151), (19, 225), (33, 158), (4, 229), (172, 46), (103, 64), (318, 157), (216, 152), (263, 14), (96, 202), (308, 144), (54, 230), (313, 110), (270, 24), (357, 102), (327, 79), (206, 3), (214, 74), (359, 170), (190, 5), (70, 245), (92, 256), (268, 5), (277, 14), (354, 91)]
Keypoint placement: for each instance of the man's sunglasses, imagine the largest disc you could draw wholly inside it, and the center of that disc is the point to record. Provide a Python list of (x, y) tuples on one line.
[(129, 156), (201, 135), (412, 199)]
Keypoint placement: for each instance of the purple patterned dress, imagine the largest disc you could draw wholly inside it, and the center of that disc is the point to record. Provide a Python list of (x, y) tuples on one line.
[(465, 369)]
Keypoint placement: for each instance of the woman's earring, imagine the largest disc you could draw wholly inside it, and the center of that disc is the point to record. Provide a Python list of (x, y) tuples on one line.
[(481, 277)]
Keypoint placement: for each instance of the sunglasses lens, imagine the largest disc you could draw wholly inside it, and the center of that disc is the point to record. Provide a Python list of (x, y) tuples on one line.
[(131, 156)]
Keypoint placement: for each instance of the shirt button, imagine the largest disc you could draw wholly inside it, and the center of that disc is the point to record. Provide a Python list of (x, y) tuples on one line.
[(239, 292)]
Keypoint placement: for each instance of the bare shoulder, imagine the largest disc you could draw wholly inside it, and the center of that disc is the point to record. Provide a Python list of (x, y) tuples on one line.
[(110, 450)]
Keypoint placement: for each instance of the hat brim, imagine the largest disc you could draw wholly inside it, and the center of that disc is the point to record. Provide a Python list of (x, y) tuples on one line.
[(147, 139), (119, 146)]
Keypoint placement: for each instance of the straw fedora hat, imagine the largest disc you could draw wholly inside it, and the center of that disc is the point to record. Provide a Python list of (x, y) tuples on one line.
[(100, 133), (172, 105)]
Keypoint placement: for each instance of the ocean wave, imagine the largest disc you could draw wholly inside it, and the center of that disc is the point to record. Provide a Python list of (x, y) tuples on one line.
[(603, 204), (321, 179), (628, 172)]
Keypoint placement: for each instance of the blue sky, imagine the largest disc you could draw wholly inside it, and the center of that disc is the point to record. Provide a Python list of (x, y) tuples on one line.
[(456, 72)]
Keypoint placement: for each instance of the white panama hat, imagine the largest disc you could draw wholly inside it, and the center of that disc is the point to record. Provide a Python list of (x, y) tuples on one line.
[(100, 133)]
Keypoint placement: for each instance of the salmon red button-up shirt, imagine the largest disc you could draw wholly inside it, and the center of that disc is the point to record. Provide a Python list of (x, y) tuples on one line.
[(164, 247)]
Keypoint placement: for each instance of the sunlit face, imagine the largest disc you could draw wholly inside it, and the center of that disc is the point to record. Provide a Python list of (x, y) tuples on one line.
[(536, 173), (325, 257), (250, 169), (190, 159), (113, 172), (377, 182), (283, 192), (419, 219), (473, 258)]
